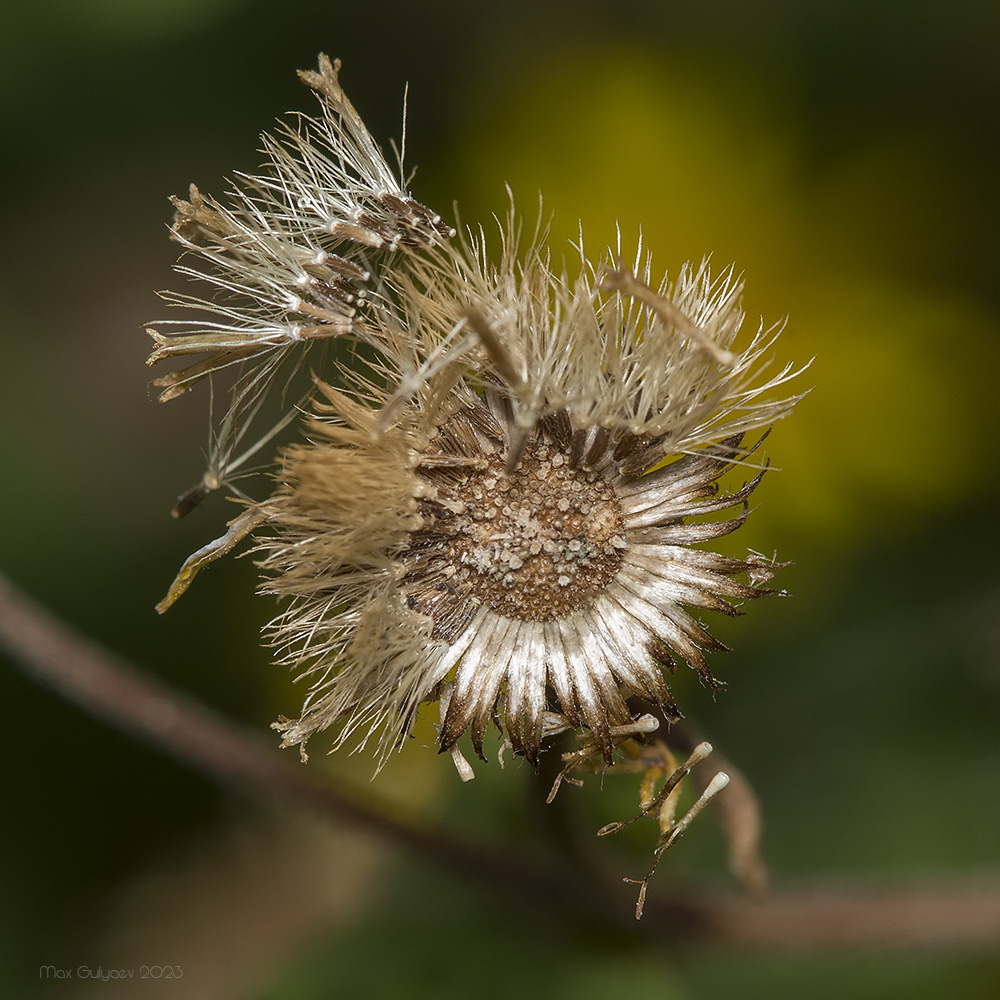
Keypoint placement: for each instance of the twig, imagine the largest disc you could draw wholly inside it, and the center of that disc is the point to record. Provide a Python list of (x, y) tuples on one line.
[(117, 693), (114, 691), (927, 915)]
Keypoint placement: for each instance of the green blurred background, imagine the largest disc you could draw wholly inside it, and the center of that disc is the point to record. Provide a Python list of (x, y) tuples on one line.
[(843, 154)]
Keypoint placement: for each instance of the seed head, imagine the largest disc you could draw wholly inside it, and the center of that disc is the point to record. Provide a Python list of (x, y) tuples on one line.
[(496, 506)]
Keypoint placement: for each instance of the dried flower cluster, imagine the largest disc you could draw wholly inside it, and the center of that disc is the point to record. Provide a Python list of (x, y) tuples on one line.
[(495, 503)]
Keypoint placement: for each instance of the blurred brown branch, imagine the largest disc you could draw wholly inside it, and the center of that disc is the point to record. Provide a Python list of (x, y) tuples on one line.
[(822, 917)]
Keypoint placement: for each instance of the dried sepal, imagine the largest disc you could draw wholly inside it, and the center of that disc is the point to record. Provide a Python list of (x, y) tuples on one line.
[(237, 530)]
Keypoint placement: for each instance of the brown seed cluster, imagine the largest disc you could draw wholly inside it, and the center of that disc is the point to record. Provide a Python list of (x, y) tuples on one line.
[(533, 544)]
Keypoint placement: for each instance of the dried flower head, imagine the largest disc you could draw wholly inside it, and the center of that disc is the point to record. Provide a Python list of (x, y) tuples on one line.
[(496, 504)]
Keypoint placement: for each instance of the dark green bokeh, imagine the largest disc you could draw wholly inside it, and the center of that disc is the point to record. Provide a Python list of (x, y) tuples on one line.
[(845, 159)]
